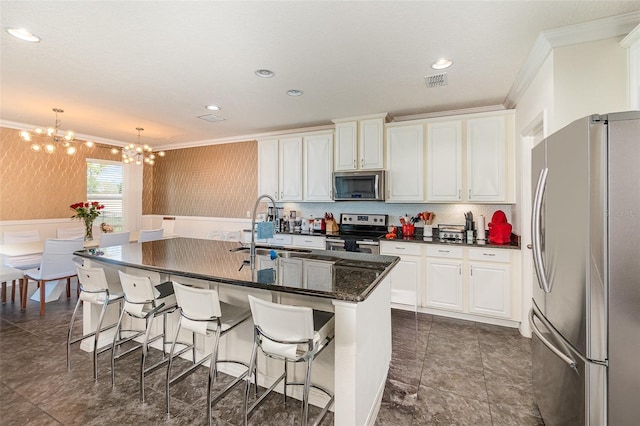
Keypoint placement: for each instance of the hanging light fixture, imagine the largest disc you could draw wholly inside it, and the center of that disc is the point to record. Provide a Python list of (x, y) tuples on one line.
[(48, 140), (139, 153)]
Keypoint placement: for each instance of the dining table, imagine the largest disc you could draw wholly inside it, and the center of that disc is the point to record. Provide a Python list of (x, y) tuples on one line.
[(36, 247)]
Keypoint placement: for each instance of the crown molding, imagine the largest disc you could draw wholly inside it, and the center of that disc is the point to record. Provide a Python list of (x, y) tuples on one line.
[(80, 136), (599, 29), (631, 38)]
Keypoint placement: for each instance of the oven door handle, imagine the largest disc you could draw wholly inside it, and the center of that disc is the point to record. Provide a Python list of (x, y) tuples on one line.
[(367, 243)]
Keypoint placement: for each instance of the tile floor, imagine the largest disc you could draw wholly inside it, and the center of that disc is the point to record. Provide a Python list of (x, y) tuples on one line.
[(443, 371)]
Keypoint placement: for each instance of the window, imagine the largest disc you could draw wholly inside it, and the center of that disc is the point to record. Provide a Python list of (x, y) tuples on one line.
[(104, 184)]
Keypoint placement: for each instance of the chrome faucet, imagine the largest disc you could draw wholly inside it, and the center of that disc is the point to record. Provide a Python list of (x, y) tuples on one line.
[(252, 250)]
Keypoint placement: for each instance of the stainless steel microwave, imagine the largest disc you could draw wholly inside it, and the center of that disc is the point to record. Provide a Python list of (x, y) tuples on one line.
[(358, 186)]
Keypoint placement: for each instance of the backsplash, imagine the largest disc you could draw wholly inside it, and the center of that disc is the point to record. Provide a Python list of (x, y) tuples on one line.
[(450, 214)]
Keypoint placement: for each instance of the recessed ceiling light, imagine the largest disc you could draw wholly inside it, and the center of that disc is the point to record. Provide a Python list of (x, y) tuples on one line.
[(294, 92), (265, 73), (23, 34), (441, 64), (213, 107)]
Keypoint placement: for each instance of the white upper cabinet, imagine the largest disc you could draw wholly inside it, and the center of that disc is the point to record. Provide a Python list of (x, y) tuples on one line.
[(405, 164), (370, 142), (486, 166), (291, 169), (359, 143), (346, 146), (318, 167), (268, 168), (280, 168), (444, 161), (486, 174)]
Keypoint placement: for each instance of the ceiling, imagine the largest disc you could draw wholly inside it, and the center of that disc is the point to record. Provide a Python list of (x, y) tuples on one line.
[(115, 66)]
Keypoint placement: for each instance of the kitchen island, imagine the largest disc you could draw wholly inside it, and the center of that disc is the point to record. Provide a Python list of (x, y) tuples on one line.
[(353, 285)]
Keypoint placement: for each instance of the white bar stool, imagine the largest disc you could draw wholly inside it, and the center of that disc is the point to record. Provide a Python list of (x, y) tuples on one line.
[(291, 334), (202, 312), (143, 300), (94, 288)]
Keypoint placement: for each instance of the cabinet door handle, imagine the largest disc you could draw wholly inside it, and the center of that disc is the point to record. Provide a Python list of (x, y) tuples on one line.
[(469, 194), (354, 163), (459, 194), (459, 270), (362, 162), (281, 195)]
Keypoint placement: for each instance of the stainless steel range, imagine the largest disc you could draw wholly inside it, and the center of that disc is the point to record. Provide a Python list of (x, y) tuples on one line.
[(359, 233)]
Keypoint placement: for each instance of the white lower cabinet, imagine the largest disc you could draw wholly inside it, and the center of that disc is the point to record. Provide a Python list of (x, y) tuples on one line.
[(490, 283), (470, 283), (406, 276), (443, 286)]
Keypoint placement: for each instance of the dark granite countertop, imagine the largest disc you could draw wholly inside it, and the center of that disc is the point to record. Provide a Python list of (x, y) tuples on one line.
[(347, 276)]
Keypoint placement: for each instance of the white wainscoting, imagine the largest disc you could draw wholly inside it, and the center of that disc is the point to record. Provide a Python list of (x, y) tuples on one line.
[(223, 228), (220, 228)]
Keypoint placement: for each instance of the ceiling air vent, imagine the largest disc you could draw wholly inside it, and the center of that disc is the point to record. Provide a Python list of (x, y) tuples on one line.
[(210, 117), (436, 80)]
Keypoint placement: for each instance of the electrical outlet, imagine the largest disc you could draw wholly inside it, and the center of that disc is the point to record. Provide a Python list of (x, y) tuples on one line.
[(248, 213)]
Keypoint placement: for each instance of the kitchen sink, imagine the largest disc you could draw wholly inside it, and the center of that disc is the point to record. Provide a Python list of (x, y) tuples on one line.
[(280, 252)]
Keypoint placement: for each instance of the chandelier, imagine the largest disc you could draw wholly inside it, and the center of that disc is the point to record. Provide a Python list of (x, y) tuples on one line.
[(139, 153), (48, 140)]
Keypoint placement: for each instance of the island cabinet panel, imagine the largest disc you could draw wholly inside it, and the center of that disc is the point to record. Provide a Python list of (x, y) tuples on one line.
[(318, 168), (405, 164)]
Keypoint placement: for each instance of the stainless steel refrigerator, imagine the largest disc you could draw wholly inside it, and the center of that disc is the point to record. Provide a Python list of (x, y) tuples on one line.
[(586, 248)]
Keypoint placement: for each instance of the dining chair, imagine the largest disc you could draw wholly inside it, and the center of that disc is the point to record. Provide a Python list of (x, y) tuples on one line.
[(202, 312), (150, 235), (57, 263), (23, 262), (94, 288), (291, 334), (142, 300), (70, 233), (115, 239), (9, 274)]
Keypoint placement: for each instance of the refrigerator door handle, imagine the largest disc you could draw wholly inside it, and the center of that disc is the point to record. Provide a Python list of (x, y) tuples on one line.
[(536, 231), (564, 357)]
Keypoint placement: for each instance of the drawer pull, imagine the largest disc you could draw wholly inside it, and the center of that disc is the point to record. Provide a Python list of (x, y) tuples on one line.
[(400, 248), (488, 254), (443, 251)]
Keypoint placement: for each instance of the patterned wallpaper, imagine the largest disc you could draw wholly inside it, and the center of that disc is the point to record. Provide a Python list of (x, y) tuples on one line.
[(215, 180), (35, 185)]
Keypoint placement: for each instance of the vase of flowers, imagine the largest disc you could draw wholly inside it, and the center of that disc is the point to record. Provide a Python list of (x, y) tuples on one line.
[(87, 212)]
